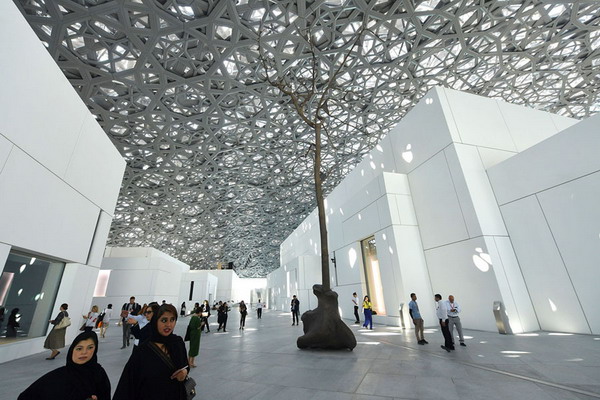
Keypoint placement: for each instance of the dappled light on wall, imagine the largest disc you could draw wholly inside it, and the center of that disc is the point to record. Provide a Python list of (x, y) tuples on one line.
[(552, 305), (408, 154), (352, 257), (482, 260)]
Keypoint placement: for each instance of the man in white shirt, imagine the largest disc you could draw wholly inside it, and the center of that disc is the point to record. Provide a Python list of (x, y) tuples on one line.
[(259, 307), (355, 304), (442, 315), (105, 320), (454, 320)]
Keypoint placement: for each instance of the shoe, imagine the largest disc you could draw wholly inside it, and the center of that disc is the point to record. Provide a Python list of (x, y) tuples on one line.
[(445, 348), (224, 330), (425, 341), (421, 342), (463, 345), (52, 358), (122, 347)]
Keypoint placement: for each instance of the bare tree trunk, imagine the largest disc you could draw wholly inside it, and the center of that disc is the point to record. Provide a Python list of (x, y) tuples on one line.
[(321, 210)]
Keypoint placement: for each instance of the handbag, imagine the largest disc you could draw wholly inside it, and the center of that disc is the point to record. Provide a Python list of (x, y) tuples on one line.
[(190, 388), (82, 327), (187, 334), (63, 324)]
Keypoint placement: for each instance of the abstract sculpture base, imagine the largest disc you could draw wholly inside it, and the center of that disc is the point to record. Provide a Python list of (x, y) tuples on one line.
[(323, 327)]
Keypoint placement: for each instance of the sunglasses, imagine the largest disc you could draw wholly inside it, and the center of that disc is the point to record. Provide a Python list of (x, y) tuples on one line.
[(148, 312)]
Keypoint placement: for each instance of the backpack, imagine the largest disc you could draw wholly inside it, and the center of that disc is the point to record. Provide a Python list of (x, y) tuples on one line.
[(101, 316)]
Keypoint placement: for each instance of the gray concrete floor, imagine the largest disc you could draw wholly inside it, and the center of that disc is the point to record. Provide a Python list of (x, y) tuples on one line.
[(263, 362)]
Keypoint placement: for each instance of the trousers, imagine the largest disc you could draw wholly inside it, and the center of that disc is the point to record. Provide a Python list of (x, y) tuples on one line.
[(356, 314), (447, 337), (419, 329), (452, 322)]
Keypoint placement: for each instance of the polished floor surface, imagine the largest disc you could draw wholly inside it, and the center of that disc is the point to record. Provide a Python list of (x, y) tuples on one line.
[(263, 362)]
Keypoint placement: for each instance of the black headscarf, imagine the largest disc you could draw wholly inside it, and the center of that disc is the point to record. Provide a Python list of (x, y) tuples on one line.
[(173, 343), (73, 381)]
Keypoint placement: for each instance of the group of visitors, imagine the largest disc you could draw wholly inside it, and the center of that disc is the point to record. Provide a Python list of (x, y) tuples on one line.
[(157, 368), (447, 314)]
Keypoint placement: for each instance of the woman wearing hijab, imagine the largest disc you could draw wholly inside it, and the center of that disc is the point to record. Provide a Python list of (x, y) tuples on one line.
[(140, 324), (13, 324), (82, 377), (56, 338), (182, 310), (156, 371)]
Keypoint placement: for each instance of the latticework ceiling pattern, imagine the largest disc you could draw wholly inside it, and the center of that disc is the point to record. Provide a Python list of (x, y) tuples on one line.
[(217, 166)]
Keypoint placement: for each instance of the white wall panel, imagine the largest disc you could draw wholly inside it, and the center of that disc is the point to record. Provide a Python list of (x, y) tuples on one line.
[(549, 285), (395, 183), (413, 270), (349, 264), (5, 148), (490, 157), (512, 285), (573, 215), (4, 250), (561, 122), (452, 270), (479, 121), (96, 167), (41, 212), (406, 210), (99, 242), (528, 126), (481, 195), (361, 197), (543, 166), (362, 224), (463, 188), (27, 71), (436, 203), (424, 129)]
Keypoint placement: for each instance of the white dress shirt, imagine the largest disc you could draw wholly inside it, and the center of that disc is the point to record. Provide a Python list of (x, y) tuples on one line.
[(441, 311), (450, 306)]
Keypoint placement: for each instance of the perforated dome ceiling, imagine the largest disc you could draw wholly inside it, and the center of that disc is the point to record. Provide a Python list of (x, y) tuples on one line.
[(216, 163)]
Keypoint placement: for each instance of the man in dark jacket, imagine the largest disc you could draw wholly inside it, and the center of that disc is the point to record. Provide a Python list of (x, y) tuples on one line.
[(295, 310), (133, 308)]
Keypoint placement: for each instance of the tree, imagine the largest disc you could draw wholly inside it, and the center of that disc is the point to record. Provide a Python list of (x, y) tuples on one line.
[(315, 82)]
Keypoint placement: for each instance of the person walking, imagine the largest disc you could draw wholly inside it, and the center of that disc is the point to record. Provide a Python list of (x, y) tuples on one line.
[(454, 320), (195, 332), (81, 378), (222, 316), (355, 305), (90, 319), (105, 323), (368, 310), (442, 314), (56, 338), (204, 315), (128, 308), (259, 307), (295, 307), (243, 312), (415, 314), (182, 309)]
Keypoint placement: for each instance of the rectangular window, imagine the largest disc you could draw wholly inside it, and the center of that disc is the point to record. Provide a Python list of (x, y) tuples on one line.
[(28, 288), (373, 275)]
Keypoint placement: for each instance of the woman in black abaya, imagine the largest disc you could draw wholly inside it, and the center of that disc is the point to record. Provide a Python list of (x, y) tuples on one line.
[(156, 371), (82, 377)]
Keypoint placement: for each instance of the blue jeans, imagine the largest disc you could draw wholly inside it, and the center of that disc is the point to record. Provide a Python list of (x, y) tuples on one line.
[(368, 318)]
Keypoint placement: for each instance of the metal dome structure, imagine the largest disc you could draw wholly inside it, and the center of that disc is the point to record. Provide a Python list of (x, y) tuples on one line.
[(217, 166)]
